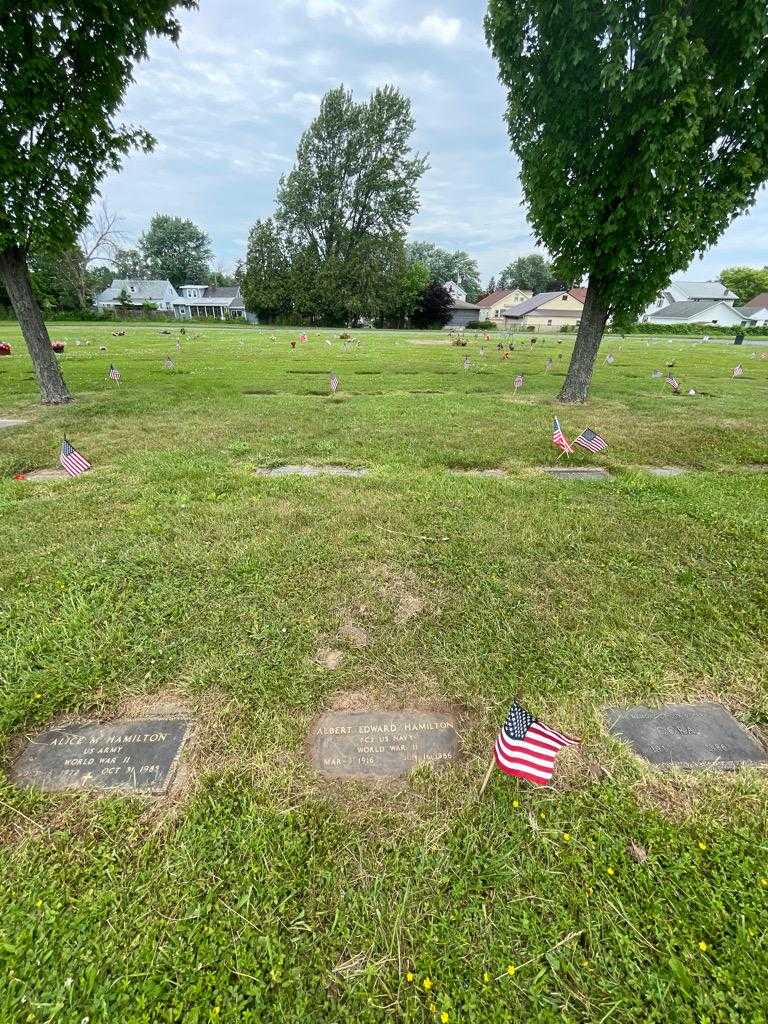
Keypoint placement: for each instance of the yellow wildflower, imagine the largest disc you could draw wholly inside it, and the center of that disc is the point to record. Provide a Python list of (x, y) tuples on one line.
[(702, 846), (409, 976), (444, 1018), (515, 803), (432, 1008), (611, 871), (427, 983), (703, 947), (511, 970), (566, 837), (486, 977), (764, 883)]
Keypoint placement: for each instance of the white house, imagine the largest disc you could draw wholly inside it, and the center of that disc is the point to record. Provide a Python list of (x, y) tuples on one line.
[(202, 301), (492, 306), (699, 311), (137, 292), (686, 291), (196, 302), (756, 315), (456, 292)]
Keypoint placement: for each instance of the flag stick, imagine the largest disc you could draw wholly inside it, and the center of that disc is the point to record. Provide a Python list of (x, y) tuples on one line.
[(487, 778)]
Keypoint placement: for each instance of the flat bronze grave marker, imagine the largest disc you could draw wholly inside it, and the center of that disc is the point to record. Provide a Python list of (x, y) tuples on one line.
[(11, 423), (578, 472), (381, 744), (135, 756), (42, 476), (666, 470), (686, 736)]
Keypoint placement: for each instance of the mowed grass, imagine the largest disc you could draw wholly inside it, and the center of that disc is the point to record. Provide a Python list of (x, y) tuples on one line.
[(268, 895)]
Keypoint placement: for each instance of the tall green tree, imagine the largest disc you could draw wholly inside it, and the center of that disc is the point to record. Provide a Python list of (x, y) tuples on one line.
[(532, 273), (445, 266), (350, 196), (641, 129), (176, 249), (64, 69), (745, 282)]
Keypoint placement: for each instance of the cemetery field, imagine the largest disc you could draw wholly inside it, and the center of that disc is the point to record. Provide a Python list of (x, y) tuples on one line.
[(174, 579)]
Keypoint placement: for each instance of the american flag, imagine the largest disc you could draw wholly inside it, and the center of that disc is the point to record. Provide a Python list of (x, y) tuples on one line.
[(71, 459), (302, 337), (738, 371), (550, 364), (590, 440), (168, 363), (519, 381), (673, 382), (334, 383), (527, 749), (610, 360), (559, 440), (466, 362), (114, 374)]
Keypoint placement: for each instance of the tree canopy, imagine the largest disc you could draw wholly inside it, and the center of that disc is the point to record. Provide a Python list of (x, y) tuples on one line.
[(334, 251), (64, 69), (176, 249), (641, 129), (445, 266), (745, 282), (531, 273)]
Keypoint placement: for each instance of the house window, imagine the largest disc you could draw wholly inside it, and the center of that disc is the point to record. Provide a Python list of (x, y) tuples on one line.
[(565, 298), (549, 323)]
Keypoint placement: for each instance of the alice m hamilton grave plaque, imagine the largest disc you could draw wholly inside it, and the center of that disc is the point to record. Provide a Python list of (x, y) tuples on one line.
[(380, 744), (134, 756)]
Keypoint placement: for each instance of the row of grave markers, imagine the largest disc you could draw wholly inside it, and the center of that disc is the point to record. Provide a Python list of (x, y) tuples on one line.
[(141, 755)]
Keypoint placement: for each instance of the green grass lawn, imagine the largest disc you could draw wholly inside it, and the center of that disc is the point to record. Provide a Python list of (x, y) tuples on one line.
[(172, 572)]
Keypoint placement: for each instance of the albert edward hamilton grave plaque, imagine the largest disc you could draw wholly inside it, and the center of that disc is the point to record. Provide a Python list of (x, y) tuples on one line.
[(686, 736), (381, 744), (133, 756)]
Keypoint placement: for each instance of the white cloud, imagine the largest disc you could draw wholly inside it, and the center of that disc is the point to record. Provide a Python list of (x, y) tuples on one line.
[(436, 27)]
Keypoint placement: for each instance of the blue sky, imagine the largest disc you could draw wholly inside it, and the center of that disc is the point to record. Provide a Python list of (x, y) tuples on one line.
[(228, 105)]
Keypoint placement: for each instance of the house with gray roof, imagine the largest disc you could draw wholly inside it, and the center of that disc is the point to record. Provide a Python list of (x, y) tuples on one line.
[(699, 311), (689, 291), (128, 291), (196, 301), (202, 301)]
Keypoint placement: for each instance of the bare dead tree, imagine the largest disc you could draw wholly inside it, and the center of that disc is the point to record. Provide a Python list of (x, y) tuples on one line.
[(98, 242)]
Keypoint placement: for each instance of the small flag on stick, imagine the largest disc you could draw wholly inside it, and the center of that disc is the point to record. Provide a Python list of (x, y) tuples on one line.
[(334, 383), (590, 440), (168, 363), (673, 382), (519, 381), (527, 749), (465, 363), (738, 370), (559, 440), (114, 374), (71, 460), (610, 360)]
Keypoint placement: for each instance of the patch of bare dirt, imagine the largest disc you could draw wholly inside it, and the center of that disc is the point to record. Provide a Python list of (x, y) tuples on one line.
[(329, 659)]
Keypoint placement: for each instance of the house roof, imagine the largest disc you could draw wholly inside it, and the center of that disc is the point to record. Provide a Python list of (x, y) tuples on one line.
[(458, 304), (704, 289), (685, 310), (498, 296), (578, 293), (758, 302), (530, 304), (228, 292), (753, 311), (152, 290)]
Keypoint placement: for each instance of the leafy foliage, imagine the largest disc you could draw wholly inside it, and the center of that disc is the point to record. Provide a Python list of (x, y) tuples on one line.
[(642, 129), (434, 308), (64, 69), (745, 282), (176, 249), (447, 266), (531, 273), (334, 251)]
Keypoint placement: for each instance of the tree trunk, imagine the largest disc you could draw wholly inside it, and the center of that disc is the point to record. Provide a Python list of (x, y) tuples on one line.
[(14, 274), (588, 339)]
